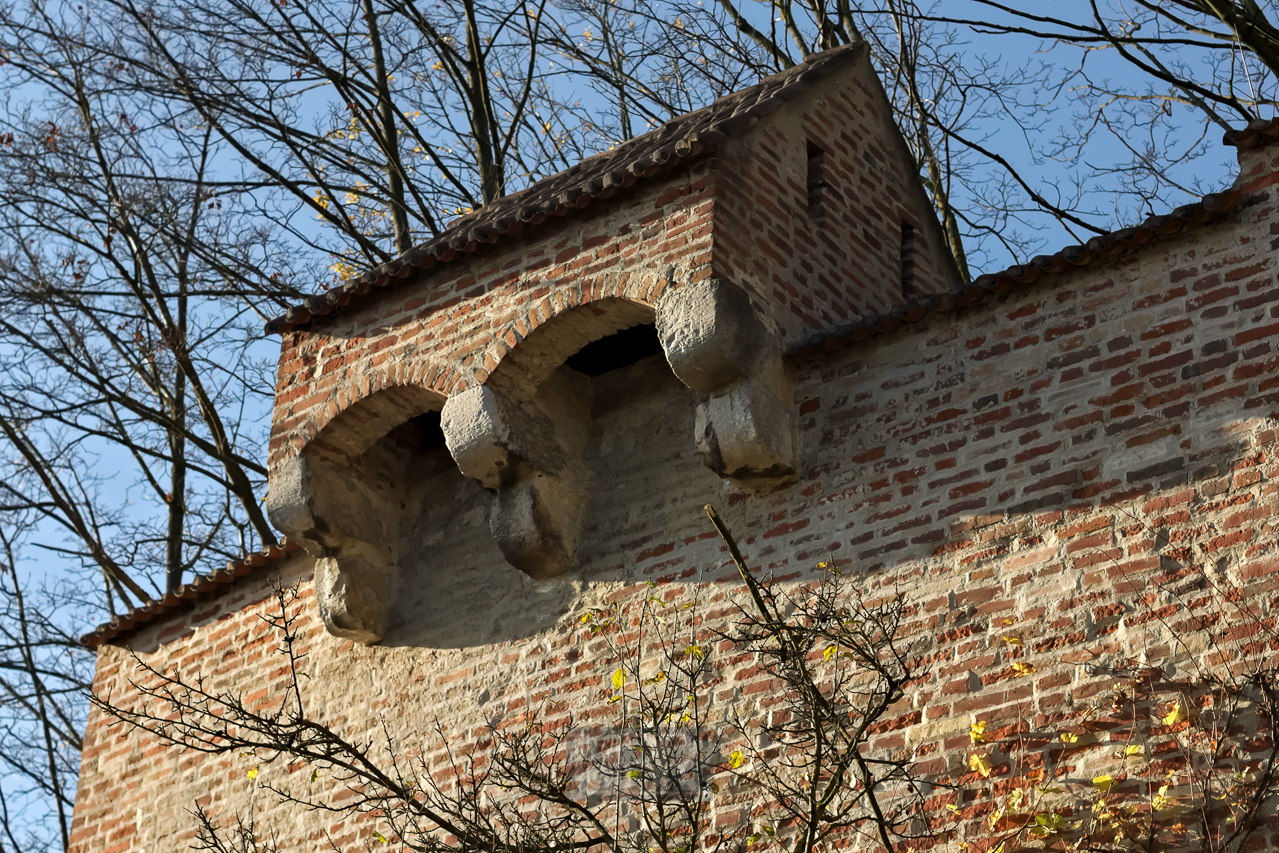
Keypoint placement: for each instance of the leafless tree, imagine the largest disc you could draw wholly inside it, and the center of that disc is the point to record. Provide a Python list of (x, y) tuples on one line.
[(44, 673), (122, 259), (172, 173), (128, 383), (378, 120)]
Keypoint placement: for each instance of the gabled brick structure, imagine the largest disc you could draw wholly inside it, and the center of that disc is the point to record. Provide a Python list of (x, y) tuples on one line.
[(463, 472), (774, 217)]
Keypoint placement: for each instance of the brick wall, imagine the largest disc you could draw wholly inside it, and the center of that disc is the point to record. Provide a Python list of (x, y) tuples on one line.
[(824, 219), (1076, 464), (1066, 480)]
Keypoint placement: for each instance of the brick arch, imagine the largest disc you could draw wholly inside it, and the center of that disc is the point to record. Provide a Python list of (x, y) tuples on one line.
[(521, 369), (359, 417), (341, 497)]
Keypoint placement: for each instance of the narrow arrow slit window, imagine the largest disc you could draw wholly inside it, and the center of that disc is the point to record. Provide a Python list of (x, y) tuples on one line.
[(818, 188)]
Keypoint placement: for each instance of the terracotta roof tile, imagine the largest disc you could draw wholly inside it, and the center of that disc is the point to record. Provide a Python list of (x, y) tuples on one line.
[(678, 141), (1257, 133), (185, 596)]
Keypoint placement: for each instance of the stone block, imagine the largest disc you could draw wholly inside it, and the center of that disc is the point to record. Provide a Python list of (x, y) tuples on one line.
[(747, 429), (348, 526), (529, 455)]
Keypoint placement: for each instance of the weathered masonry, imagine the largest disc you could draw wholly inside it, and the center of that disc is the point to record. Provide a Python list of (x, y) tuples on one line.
[(752, 307), (740, 232)]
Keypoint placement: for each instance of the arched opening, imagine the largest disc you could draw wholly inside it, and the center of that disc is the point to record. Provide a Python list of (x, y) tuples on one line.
[(363, 424), (620, 349), (524, 369), (342, 498)]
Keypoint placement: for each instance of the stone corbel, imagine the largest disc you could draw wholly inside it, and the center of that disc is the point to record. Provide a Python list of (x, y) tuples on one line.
[(348, 526), (529, 454), (747, 427)]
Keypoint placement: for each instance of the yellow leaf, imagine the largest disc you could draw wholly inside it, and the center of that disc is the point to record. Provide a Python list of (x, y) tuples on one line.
[(315, 774), (619, 678), (1069, 737), (1012, 641), (736, 760), (1104, 782), (1016, 798), (977, 732), (1160, 800), (1175, 715), (253, 773), (830, 652), (1022, 668), (379, 836), (980, 763), (1132, 750)]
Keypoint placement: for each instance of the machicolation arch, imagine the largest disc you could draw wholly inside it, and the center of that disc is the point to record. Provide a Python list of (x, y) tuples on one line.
[(340, 498), (522, 435)]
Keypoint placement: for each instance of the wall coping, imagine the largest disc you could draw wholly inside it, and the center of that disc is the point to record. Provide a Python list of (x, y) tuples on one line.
[(185, 596), (1211, 208)]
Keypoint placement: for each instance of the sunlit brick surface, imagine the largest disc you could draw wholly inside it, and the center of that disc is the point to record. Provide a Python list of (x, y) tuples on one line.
[(1085, 465)]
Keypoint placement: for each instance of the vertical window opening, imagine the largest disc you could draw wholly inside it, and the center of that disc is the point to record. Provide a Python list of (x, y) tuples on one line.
[(818, 188), (908, 262)]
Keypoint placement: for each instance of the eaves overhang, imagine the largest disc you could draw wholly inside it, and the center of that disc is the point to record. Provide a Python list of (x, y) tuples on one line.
[(675, 144)]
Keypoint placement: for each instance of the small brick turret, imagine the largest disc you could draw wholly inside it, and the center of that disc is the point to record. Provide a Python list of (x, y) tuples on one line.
[(776, 216)]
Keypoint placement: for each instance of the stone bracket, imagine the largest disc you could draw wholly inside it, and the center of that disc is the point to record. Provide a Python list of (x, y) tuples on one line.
[(349, 528), (530, 455), (747, 427)]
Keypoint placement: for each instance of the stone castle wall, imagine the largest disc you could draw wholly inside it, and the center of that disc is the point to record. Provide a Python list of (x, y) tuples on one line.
[(1084, 464)]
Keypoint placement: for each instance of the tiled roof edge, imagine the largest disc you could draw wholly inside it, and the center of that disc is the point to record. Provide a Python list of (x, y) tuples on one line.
[(600, 177), (186, 595), (1263, 131), (1208, 209)]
